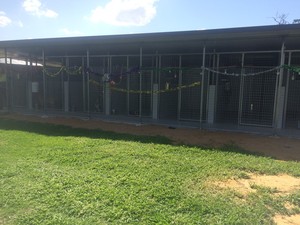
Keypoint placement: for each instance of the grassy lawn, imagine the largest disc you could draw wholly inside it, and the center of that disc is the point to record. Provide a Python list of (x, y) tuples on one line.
[(59, 175)]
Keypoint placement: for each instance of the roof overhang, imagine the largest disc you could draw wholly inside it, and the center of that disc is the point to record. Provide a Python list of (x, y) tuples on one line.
[(262, 38)]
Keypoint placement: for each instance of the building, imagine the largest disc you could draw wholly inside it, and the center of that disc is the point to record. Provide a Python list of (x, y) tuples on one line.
[(210, 78)]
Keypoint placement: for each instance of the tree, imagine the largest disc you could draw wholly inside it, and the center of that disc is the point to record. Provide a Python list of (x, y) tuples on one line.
[(296, 21), (281, 19)]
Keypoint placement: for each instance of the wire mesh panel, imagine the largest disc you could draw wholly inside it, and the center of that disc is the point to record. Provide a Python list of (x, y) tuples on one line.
[(54, 84), (191, 79), (76, 86), (118, 81), (259, 89), (228, 88), (146, 86), (293, 99), (98, 67), (169, 77), (37, 88), (19, 75), (134, 86), (3, 80)]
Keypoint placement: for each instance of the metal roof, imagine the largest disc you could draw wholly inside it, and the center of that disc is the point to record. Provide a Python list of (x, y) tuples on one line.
[(231, 39)]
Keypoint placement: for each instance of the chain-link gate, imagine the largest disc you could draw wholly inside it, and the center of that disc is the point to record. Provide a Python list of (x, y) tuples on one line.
[(247, 88), (259, 89), (36, 89), (293, 99), (146, 86), (168, 79), (76, 86), (98, 67), (228, 88), (118, 98), (134, 86), (3, 84), (18, 76), (190, 98), (54, 76)]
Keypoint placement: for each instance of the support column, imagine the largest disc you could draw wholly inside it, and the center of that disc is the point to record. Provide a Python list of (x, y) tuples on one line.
[(7, 80), (44, 81), (141, 64), (202, 85), (287, 90), (155, 89), (280, 94), (179, 91), (241, 95), (88, 80), (107, 91), (127, 86), (66, 88), (211, 104), (83, 87), (29, 87)]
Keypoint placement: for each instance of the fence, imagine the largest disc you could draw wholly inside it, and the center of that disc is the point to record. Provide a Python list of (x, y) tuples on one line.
[(231, 88)]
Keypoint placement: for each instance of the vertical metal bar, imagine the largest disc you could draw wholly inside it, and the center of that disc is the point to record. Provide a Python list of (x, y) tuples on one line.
[(103, 85), (152, 83), (12, 99), (209, 75), (159, 83), (88, 80), (276, 113), (179, 91), (44, 79), (109, 99), (202, 85), (217, 85), (26, 82), (68, 85), (128, 86), (141, 64), (83, 87), (241, 95), (287, 91), (62, 86), (274, 123), (6, 77)]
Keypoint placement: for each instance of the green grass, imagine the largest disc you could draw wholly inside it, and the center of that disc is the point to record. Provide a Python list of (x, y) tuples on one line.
[(59, 175)]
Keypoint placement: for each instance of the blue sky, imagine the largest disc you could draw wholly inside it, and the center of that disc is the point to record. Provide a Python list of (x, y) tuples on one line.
[(27, 19)]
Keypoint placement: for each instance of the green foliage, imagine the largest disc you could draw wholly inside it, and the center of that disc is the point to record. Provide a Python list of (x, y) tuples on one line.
[(59, 175)]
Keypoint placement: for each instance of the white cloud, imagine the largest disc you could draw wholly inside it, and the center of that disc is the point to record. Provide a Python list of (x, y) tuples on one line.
[(4, 20), (36, 8), (125, 12)]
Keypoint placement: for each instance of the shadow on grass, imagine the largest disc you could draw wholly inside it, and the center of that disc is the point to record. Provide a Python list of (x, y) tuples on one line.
[(67, 131)]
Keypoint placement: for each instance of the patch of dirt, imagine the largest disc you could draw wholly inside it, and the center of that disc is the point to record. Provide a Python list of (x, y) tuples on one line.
[(283, 184), (289, 206), (282, 148), (287, 220)]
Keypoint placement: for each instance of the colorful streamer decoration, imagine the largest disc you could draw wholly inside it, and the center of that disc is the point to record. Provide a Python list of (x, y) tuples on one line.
[(115, 78), (292, 69), (195, 84), (71, 71)]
